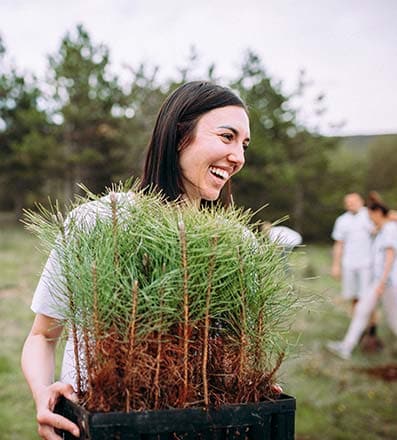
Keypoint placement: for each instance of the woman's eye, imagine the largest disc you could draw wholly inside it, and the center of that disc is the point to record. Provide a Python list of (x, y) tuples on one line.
[(245, 147), (227, 136)]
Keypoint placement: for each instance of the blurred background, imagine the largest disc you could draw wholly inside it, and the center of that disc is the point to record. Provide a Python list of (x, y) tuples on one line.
[(80, 87)]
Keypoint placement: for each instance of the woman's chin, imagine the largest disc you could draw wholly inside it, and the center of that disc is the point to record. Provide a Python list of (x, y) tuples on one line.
[(210, 196)]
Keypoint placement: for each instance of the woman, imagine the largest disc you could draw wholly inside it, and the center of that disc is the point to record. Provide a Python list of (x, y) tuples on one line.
[(197, 145), (384, 284)]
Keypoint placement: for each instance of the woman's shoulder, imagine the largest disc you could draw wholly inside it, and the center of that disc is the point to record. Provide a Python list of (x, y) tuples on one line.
[(88, 212), (388, 232), (390, 226)]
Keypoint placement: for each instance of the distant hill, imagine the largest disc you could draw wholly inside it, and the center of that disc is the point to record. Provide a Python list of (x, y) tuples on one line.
[(360, 144)]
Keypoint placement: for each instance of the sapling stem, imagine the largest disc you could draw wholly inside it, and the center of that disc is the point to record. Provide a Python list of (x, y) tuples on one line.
[(96, 309), (243, 323), (258, 347), (113, 205), (207, 321), (159, 346), (88, 356), (131, 346), (182, 235), (76, 353), (277, 366)]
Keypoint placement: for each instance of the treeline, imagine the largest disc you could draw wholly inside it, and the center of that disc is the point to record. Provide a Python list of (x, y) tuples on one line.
[(82, 123)]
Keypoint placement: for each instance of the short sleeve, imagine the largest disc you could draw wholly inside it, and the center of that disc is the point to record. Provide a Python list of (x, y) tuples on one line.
[(338, 232), (50, 298), (389, 238)]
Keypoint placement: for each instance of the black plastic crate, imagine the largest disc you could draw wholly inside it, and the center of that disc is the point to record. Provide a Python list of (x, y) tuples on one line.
[(270, 420)]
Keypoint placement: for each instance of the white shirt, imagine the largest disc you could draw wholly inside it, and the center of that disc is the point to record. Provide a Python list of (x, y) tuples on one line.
[(385, 238), (354, 230), (50, 297), (285, 236)]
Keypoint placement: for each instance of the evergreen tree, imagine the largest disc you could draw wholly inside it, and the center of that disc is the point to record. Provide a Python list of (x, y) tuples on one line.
[(142, 100), (286, 163), (85, 98), (382, 165), (26, 143)]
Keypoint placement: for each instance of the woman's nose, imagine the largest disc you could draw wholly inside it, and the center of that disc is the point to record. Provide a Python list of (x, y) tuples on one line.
[(237, 156)]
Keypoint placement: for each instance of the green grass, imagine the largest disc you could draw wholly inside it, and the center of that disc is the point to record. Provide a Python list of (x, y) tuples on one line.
[(20, 265), (334, 401)]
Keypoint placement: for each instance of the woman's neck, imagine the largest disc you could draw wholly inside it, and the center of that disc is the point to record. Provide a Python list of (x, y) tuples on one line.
[(191, 201)]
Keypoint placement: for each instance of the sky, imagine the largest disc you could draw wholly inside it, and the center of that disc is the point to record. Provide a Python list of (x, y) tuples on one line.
[(348, 48)]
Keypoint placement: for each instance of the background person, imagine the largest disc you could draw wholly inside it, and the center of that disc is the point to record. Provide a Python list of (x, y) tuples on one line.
[(384, 285), (351, 257), (197, 145), (284, 236)]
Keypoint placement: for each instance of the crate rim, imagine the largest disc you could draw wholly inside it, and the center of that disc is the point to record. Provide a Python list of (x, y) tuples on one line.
[(151, 421)]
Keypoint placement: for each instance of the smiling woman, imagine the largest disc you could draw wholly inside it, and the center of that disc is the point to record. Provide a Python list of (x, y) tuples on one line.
[(197, 145)]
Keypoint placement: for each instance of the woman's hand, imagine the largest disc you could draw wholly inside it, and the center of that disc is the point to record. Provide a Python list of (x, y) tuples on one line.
[(47, 420), (38, 365)]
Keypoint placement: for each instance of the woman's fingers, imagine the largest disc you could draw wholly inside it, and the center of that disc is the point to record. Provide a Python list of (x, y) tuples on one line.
[(64, 389), (47, 432), (276, 388), (48, 421)]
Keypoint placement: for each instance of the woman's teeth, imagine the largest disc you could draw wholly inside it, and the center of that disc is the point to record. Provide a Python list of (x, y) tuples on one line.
[(219, 173)]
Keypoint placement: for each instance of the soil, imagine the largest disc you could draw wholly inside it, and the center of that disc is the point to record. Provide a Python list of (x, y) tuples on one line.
[(388, 372)]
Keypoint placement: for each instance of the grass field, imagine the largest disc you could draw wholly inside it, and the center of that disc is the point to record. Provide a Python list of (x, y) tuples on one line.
[(334, 399)]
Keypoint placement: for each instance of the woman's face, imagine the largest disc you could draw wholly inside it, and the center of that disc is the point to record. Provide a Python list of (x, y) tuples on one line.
[(376, 216), (216, 152)]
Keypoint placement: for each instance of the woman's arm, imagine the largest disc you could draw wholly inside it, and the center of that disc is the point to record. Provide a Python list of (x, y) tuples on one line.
[(392, 215), (389, 259), (38, 366)]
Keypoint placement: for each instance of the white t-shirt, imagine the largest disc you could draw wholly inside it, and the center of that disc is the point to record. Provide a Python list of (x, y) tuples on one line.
[(385, 238), (354, 230), (285, 236), (49, 297)]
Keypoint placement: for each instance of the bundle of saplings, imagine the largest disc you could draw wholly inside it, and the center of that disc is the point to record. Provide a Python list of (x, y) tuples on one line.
[(169, 305)]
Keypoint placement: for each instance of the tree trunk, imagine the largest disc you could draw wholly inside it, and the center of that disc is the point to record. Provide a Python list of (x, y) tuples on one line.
[(18, 204), (298, 208)]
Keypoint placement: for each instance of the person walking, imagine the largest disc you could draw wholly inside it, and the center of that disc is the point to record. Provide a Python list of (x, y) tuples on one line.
[(383, 286)]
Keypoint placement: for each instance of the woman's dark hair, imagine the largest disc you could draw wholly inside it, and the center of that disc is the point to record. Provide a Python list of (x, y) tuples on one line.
[(378, 206), (175, 128), (374, 197)]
